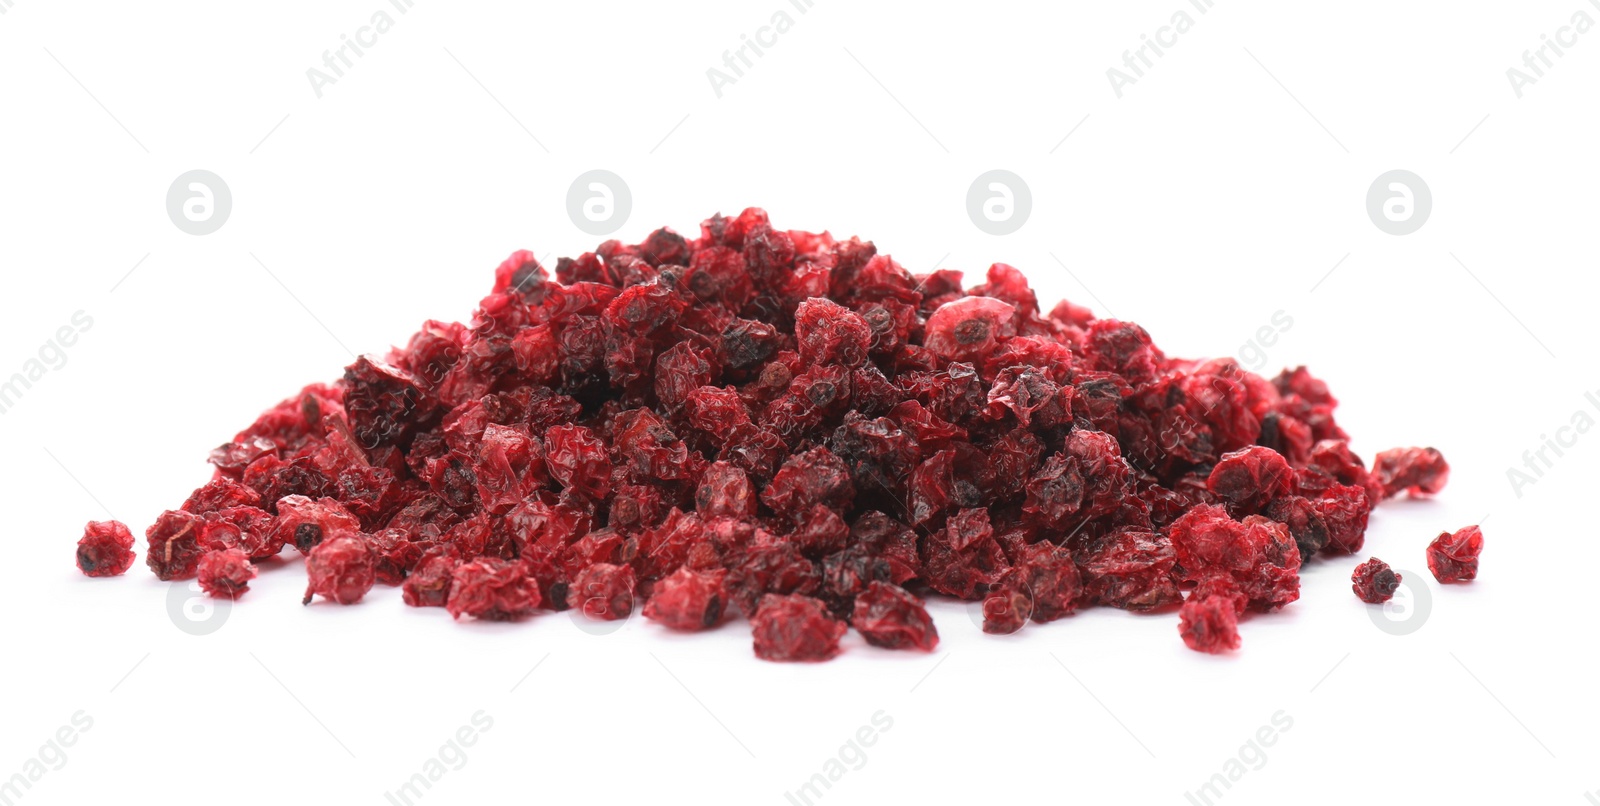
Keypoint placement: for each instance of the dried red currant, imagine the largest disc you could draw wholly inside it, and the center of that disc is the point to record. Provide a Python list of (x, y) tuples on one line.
[(105, 550), (1209, 624), (1417, 471), (1374, 581), (887, 616), (493, 590), (341, 568), (225, 573), (688, 600), (1453, 556), (795, 628)]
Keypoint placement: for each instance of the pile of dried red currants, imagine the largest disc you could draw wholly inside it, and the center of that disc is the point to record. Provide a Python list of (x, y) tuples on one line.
[(795, 427)]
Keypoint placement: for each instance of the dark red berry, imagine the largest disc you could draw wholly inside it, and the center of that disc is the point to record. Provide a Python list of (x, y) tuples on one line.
[(795, 628), (341, 569), (1374, 581), (1417, 471), (225, 573), (688, 601), (105, 550), (889, 617), (1209, 624), (493, 590), (1453, 556)]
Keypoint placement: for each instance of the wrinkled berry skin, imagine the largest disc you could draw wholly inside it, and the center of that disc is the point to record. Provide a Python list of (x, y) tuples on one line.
[(225, 573), (429, 583), (1453, 557), (173, 545), (493, 590), (341, 569), (889, 617), (795, 628), (1415, 471), (688, 601), (1209, 624), (603, 591), (1374, 581), (105, 550)]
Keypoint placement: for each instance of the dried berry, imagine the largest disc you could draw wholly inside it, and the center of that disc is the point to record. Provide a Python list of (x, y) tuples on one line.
[(688, 601), (105, 550), (493, 590), (795, 628), (342, 569), (603, 591), (429, 583), (225, 573), (173, 545), (1417, 471), (1209, 624), (1453, 557), (1374, 581), (889, 617)]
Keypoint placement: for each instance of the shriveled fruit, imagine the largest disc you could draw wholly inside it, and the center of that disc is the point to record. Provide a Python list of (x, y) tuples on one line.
[(105, 550), (1374, 581), (1453, 556)]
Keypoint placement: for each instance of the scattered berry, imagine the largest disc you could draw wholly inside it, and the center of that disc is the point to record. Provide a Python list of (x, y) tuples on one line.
[(1374, 581), (105, 550), (1453, 557)]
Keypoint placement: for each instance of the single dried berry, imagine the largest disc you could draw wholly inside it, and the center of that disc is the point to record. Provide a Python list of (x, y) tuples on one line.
[(688, 601), (173, 545), (795, 628), (429, 583), (1453, 557), (493, 590), (106, 549), (1374, 581), (1417, 471), (1209, 624), (341, 569), (887, 616), (225, 573), (603, 591)]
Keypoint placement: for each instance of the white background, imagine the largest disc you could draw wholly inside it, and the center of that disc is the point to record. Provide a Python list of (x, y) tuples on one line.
[(1219, 190)]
